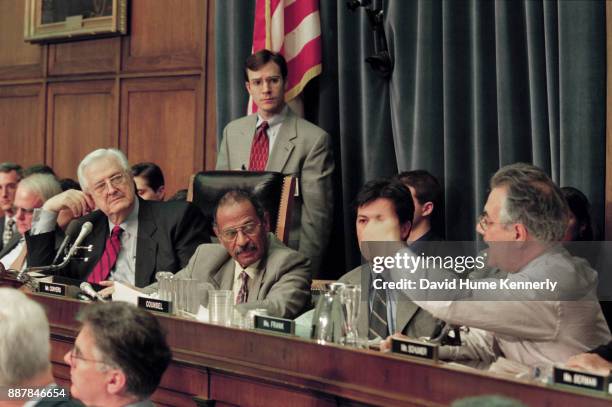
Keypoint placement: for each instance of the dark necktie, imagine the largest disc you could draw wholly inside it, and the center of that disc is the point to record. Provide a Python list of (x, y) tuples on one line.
[(243, 294), (378, 317), (109, 257), (8, 231), (260, 149)]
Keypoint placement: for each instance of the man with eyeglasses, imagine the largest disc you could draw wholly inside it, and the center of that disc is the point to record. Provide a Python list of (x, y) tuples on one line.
[(131, 238), (523, 222), (276, 139), (119, 356), (251, 261), (32, 192)]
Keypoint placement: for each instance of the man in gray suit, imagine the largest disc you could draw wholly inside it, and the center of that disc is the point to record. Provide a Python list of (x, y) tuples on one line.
[(259, 268), (385, 209), (275, 139)]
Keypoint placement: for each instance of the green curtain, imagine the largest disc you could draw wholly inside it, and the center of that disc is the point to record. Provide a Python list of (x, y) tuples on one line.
[(477, 84)]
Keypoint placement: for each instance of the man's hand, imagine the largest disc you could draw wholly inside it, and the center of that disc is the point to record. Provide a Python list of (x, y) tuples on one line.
[(109, 290), (78, 202), (591, 362), (385, 345)]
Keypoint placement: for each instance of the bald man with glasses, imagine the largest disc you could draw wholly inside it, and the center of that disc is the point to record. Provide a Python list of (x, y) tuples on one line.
[(260, 270)]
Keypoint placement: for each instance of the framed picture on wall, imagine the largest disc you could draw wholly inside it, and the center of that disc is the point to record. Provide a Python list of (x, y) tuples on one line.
[(65, 20)]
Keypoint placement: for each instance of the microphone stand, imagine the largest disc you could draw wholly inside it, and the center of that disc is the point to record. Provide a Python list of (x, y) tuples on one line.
[(24, 278)]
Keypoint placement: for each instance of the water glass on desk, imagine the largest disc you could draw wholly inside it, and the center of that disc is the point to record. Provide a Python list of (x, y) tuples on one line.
[(191, 299), (221, 306), (163, 280)]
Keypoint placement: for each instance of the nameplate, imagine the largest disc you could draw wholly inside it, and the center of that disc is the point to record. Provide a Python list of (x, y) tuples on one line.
[(583, 380), (52, 289), (151, 304), (413, 348), (273, 324)]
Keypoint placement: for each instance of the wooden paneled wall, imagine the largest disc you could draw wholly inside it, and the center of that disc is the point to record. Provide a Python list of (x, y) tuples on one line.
[(150, 93)]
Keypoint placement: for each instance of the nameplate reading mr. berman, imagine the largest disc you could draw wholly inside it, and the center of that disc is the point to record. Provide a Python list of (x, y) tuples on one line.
[(277, 325), (413, 348), (156, 305), (584, 380), (52, 289)]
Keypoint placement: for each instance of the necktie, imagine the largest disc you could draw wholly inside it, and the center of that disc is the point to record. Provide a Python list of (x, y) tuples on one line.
[(378, 317), (109, 257), (260, 149), (8, 231), (243, 294)]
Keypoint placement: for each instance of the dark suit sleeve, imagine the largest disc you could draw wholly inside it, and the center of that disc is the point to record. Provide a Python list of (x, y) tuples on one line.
[(605, 351), (190, 232), (41, 248)]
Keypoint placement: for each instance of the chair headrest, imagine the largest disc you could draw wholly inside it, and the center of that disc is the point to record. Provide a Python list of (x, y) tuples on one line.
[(209, 186)]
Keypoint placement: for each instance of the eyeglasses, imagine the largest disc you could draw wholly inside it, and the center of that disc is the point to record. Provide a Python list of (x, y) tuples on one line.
[(115, 181), (271, 81), (251, 228), (484, 222), (24, 211), (74, 354)]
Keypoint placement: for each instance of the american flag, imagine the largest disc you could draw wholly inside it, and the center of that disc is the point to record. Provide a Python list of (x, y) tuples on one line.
[(293, 28)]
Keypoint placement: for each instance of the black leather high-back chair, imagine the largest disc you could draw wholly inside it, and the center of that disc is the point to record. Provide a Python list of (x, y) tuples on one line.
[(274, 190)]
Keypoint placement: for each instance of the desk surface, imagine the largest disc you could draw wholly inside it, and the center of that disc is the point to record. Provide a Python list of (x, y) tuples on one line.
[(229, 366)]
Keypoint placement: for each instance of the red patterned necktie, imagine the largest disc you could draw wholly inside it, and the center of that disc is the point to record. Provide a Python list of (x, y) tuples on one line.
[(260, 149), (109, 257), (243, 294)]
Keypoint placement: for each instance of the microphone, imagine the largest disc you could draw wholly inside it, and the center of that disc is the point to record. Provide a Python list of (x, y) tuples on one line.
[(70, 232), (88, 289), (85, 230)]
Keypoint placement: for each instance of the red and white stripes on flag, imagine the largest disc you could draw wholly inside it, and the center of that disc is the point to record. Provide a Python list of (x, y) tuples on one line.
[(293, 28)]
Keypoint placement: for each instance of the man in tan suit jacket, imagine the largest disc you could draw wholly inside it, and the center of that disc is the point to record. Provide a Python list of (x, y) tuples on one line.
[(296, 147), (272, 275)]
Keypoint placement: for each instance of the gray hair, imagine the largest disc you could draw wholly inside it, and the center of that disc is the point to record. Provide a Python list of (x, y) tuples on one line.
[(43, 185), (533, 200), (98, 155), (24, 338)]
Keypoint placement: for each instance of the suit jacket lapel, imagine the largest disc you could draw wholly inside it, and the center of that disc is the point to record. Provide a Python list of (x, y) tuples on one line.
[(97, 239), (404, 312), (10, 245), (242, 148), (146, 246), (283, 146), (257, 282), (224, 278)]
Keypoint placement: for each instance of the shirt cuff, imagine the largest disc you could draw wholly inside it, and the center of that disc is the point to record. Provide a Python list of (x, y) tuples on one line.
[(43, 221)]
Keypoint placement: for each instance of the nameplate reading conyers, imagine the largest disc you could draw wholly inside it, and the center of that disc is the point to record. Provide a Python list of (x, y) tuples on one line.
[(273, 324), (414, 348), (151, 304), (583, 380), (52, 289)]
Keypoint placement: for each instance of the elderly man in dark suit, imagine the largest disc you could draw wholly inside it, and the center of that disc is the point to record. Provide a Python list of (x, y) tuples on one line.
[(275, 139), (132, 238)]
